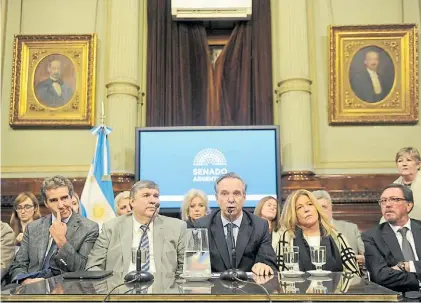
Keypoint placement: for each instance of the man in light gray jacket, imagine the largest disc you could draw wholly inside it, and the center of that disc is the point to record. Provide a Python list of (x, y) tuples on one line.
[(163, 242)]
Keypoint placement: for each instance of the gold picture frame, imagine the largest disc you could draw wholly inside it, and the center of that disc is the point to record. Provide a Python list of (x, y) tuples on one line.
[(373, 74), (53, 81)]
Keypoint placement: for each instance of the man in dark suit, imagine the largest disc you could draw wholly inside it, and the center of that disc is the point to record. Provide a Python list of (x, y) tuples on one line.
[(368, 84), (53, 91), (251, 233), (393, 248), (59, 242)]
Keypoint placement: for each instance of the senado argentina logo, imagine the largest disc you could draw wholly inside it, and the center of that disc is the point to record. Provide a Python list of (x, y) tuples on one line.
[(209, 165)]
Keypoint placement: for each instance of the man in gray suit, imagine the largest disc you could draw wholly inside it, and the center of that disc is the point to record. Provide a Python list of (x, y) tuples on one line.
[(57, 243), (7, 252), (349, 230), (163, 242)]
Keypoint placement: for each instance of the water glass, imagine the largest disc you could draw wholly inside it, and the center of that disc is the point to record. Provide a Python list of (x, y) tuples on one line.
[(291, 255), (196, 253), (318, 256)]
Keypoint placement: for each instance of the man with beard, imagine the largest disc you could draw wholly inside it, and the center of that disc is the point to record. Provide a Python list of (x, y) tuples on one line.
[(53, 91), (57, 243), (393, 248)]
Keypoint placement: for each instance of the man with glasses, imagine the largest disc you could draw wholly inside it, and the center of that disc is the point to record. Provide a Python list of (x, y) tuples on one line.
[(57, 243), (251, 233), (393, 248)]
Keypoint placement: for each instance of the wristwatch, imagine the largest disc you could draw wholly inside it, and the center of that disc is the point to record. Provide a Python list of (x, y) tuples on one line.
[(401, 265)]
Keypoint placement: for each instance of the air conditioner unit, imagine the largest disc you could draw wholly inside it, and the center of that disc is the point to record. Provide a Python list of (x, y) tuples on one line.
[(211, 9)]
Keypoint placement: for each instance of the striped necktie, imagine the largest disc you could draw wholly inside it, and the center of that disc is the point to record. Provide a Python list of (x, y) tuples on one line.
[(144, 245)]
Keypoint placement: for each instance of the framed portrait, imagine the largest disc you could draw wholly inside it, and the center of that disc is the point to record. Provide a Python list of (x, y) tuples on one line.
[(53, 81), (373, 74)]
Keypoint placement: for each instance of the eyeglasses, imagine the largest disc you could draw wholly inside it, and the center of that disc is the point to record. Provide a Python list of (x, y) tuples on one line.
[(25, 207), (393, 200)]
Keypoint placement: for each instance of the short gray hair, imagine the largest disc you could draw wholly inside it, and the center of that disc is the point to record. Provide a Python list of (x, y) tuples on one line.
[(190, 195), (141, 185), (412, 151), (121, 196), (229, 176), (322, 194), (53, 183)]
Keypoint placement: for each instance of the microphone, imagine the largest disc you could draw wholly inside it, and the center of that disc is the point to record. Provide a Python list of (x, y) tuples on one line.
[(233, 274), (138, 275)]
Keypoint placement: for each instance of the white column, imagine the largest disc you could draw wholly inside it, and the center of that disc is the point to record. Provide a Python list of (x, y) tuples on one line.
[(122, 85), (291, 64)]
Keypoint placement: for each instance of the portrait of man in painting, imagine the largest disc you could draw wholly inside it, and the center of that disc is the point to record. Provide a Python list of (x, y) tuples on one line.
[(371, 74), (55, 81)]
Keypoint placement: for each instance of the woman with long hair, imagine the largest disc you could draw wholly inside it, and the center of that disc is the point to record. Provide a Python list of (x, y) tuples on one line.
[(268, 208), (25, 210), (305, 225)]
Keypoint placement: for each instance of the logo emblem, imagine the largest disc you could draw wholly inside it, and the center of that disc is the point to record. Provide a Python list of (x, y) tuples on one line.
[(209, 164)]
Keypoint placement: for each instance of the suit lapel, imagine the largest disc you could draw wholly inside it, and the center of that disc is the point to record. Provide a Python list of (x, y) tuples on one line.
[(244, 236), (43, 238), (126, 236), (392, 242), (416, 233), (72, 226), (158, 242), (218, 236)]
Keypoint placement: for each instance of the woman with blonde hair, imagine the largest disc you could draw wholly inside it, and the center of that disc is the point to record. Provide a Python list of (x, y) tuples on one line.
[(25, 210), (268, 208), (304, 224), (195, 205)]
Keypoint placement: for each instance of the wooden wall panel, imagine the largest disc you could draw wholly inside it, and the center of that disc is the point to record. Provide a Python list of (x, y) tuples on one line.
[(354, 196)]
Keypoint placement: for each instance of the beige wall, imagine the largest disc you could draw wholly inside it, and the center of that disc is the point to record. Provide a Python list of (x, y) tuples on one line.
[(336, 149), (353, 149), (37, 153)]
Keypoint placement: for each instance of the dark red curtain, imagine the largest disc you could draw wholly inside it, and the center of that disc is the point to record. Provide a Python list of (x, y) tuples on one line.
[(243, 73), (177, 71), (182, 88)]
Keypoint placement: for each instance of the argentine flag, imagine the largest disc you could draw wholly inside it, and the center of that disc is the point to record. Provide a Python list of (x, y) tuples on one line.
[(97, 198)]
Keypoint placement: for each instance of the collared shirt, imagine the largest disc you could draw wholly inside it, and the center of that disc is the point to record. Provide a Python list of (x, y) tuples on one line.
[(375, 80), (236, 222), (50, 239), (137, 234), (410, 238)]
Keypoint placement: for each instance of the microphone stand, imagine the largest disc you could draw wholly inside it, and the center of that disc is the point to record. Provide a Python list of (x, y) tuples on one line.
[(138, 275), (233, 274)]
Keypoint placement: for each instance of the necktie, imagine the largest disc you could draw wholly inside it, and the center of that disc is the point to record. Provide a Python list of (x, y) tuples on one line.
[(230, 234), (51, 252), (144, 245), (408, 253)]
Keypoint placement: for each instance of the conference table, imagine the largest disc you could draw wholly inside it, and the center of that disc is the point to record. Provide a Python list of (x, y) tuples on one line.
[(166, 287)]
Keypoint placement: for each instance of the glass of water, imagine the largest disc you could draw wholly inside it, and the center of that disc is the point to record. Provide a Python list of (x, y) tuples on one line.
[(318, 256), (291, 255)]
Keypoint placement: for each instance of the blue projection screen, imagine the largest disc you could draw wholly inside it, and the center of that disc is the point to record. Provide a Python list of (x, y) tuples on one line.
[(182, 158)]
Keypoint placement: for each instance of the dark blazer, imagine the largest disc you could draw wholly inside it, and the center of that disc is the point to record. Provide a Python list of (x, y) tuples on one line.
[(363, 86), (382, 251), (81, 235), (254, 243), (48, 96)]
